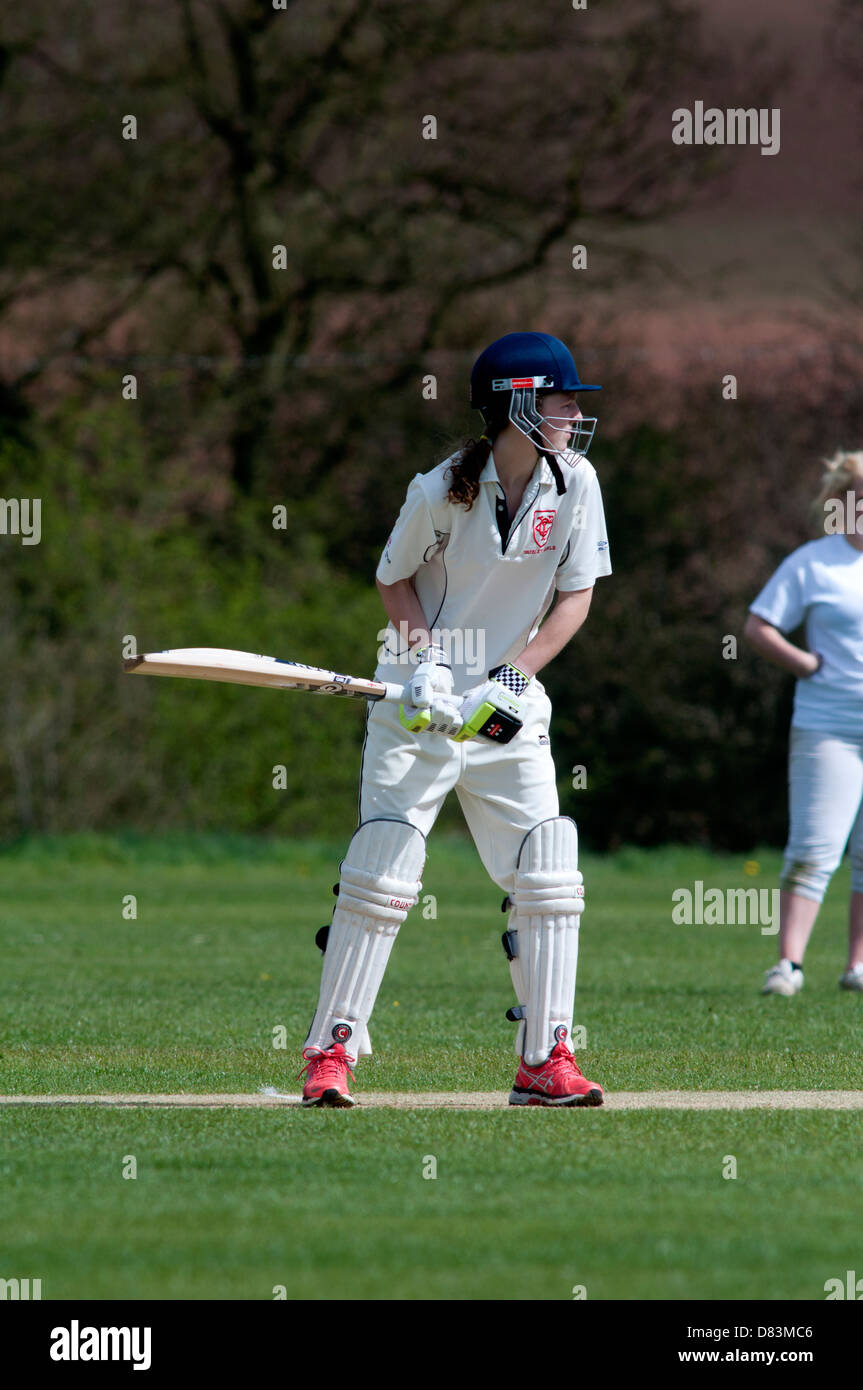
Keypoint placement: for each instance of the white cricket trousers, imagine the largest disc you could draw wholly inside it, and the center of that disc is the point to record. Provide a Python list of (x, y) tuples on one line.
[(825, 785), (503, 789)]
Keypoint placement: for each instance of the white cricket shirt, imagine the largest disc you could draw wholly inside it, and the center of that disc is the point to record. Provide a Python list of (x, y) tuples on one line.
[(485, 597), (821, 583)]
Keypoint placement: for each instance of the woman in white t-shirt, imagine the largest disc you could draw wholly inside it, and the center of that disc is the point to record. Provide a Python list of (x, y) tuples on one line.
[(821, 584)]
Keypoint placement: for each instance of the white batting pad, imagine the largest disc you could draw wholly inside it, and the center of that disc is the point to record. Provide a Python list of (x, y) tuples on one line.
[(379, 884), (547, 901)]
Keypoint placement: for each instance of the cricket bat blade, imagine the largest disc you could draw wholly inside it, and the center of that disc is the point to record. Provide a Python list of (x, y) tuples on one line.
[(247, 668)]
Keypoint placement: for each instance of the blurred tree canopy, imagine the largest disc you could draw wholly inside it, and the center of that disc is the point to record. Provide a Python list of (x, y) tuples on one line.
[(298, 381), (303, 127)]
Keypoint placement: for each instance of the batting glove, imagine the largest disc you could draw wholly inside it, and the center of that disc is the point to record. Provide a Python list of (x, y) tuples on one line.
[(442, 716), (493, 710), (428, 704), (433, 676)]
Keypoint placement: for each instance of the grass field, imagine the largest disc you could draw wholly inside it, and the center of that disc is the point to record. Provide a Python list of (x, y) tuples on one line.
[(526, 1203)]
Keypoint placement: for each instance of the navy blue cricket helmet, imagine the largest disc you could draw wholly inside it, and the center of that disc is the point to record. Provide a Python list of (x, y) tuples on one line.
[(506, 378)]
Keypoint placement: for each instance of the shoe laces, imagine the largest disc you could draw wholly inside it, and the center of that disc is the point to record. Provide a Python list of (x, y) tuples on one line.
[(562, 1057), (331, 1061)]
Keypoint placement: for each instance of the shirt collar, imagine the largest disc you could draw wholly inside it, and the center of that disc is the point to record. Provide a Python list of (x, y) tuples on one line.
[(489, 472)]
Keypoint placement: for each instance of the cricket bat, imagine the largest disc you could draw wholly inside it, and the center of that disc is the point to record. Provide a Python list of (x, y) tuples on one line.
[(245, 668)]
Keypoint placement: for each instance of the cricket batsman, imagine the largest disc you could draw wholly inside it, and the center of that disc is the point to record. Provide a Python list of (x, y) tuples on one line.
[(481, 546)]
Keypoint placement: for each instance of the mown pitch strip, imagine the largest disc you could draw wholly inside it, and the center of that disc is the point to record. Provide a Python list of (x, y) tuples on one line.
[(467, 1100)]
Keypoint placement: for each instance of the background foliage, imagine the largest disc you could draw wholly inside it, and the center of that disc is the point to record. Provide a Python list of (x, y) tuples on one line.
[(303, 388)]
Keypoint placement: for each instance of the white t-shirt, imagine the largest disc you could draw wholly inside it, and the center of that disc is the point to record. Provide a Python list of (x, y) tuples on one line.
[(822, 583), (483, 598)]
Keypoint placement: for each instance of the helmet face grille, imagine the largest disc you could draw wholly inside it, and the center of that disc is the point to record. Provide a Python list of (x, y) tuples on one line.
[(582, 433), (526, 417)]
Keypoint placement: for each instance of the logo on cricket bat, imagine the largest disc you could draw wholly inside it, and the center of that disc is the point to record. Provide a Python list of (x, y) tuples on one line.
[(542, 524)]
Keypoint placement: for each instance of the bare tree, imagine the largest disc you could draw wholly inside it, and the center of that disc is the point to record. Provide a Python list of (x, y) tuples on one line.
[(421, 166)]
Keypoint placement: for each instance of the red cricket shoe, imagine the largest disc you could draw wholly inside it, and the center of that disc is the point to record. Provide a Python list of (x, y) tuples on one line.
[(557, 1081), (326, 1083)]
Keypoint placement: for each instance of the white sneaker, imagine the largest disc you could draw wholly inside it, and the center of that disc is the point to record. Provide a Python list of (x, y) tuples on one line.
[(784, 979), (853, 978)]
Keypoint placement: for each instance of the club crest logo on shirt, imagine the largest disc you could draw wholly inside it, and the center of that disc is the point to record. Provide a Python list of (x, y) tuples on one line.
[(542, 524)]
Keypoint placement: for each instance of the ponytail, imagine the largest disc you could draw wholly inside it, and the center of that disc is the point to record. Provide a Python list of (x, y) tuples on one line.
[(464, 472)]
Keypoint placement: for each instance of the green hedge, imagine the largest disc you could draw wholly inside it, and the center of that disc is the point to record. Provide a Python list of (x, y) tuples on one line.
[(85, 746)]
